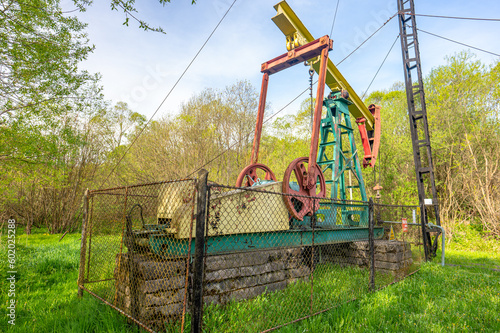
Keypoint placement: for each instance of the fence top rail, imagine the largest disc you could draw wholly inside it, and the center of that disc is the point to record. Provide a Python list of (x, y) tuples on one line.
[(399, 222), (214, 185), (140, 185), (396, 206), (123, 194)]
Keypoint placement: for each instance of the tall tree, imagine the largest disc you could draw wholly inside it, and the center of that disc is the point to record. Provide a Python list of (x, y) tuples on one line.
[(463, 101), (40, 49), (46, 103), (465, 125), (213, 123)]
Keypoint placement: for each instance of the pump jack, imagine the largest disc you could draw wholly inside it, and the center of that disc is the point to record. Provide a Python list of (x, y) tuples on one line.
[(333, 134)]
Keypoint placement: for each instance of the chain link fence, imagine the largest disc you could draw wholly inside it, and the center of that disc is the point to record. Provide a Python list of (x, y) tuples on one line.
[(136, 247), (235, 259), (402, 226)]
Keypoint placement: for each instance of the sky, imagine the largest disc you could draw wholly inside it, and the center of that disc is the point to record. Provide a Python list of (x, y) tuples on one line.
[(140, 68)]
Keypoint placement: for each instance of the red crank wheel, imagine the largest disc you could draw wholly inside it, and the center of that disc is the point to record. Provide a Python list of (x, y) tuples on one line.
[(248, 176), (300, 206)]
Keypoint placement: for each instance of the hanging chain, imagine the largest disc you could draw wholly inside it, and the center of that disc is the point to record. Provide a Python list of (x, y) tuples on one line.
[(311, 74)]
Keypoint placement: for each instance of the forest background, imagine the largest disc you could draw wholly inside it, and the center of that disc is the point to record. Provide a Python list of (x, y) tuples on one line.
[(59, 136)]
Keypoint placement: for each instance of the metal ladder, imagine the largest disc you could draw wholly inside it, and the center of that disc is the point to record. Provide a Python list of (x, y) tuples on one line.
[(417, 113)]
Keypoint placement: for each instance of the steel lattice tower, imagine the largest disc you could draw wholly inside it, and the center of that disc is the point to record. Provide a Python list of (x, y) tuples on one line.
[(417, 113)]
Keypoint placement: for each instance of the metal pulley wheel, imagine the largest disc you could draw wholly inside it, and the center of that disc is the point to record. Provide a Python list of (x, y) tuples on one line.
[(248, 176), (298, 203)]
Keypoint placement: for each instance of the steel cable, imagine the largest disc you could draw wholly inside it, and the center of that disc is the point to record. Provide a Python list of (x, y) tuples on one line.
[(168, 94), (357, 48), (454, 41), (382, 64), (238, 142), (334, 18), (456, 17)]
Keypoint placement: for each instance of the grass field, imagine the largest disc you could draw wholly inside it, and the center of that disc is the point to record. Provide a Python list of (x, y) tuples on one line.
[(436, 299)]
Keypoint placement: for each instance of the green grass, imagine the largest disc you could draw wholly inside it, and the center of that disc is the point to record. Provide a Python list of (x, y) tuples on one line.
[(472, 247), (46, 289), (436, 299), (482, 259), (332, 285)]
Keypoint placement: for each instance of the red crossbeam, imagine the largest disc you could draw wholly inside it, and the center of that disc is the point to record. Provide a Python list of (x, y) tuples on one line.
[(297, 55)]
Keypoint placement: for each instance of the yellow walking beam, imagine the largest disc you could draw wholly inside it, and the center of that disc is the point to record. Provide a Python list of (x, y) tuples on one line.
[(297, 34)]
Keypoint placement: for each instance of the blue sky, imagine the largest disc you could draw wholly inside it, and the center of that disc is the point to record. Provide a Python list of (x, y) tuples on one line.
[(140, 67)]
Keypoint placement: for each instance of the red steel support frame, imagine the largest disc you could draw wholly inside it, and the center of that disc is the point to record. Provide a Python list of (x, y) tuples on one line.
[(284, 61), (371, 143), (313, 151), (318, 47), (260, 118)]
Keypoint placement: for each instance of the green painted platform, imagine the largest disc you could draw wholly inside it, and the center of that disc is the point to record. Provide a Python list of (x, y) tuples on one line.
[(169, 246)]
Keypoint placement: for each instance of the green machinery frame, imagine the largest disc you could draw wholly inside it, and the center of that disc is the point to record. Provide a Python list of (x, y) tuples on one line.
[(338, 155)]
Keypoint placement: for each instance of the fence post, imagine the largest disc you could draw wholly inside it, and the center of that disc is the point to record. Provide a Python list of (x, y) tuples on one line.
[(371, 244), (199, 249), (83, 246), (425, 235), (313, 266)]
